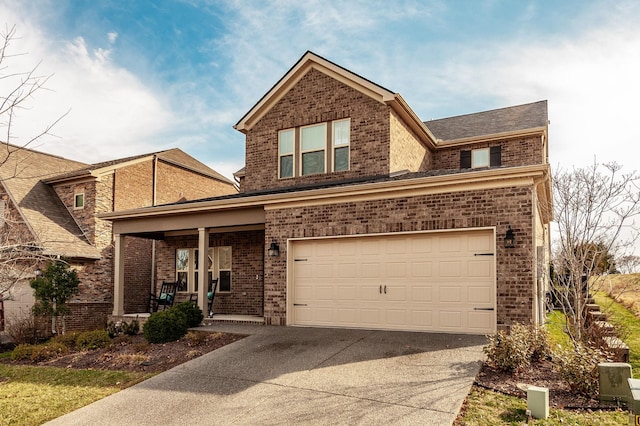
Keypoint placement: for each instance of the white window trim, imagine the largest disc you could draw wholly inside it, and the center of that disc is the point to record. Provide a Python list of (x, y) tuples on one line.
[(191, 268), (473, 162), (75, 200), (334, 146), (324, 148), (292, 154)]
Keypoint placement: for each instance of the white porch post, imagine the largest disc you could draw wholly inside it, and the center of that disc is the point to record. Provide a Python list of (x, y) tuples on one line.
[(118, 276), (203, 269)]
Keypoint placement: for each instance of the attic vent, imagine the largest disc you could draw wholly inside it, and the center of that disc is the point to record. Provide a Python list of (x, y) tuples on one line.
[(399, 173)]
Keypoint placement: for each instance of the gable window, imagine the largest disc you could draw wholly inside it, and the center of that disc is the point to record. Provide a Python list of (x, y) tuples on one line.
[(218, 266), (78, 201), (483, 157), (313, 141), (285, 153), (341, 137)]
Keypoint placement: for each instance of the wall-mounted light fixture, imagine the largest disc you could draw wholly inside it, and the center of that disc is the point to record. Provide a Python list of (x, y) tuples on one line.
[(509, 238), (274, 249), (37, 272)]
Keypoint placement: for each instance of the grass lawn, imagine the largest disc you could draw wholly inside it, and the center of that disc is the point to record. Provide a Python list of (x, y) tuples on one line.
[(34, 395)]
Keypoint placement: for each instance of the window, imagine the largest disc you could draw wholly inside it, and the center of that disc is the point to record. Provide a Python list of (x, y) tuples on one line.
[(285, 153), (219, 266), (341, 138), (312, 147), (78, 202), (479, 158), (484, 157)]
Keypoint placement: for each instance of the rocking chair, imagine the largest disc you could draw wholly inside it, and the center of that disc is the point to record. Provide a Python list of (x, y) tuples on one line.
[(165, 299)]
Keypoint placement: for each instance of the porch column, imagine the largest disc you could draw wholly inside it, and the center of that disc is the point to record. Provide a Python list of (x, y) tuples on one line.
[(203, 269), (118, 275)]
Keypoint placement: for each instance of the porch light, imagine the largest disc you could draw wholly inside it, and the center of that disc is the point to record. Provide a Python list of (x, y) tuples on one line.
[(274, 249), (509, 238)]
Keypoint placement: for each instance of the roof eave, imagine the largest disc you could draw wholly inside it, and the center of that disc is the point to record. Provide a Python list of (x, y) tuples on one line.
[(534, 131)]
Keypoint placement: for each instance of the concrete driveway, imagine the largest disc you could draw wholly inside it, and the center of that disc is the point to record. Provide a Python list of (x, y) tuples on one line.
[(290, 375)]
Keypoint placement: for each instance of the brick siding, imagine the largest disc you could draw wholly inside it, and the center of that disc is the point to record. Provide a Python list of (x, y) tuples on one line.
[(406, 151), (515, 152), (177, 184), (318, 98), (460, 210), (86, 316)]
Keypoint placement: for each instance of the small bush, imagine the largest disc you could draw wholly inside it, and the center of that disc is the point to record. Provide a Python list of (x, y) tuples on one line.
[(539, 343), (67, 339), (47, 351), (93, 339), (22, 351), (130, 328), (509, 352), (25, 328), (165, 326), (578, 366), (196, 338), (192, 311)]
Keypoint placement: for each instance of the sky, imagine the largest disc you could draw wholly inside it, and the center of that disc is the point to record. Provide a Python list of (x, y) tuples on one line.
[(143, 76)]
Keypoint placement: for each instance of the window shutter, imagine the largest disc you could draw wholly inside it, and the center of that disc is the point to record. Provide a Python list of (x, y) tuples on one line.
[(465, 159), (495, 156)]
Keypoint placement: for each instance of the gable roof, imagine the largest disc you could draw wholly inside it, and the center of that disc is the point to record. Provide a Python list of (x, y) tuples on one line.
[(173, 156), (21, 173), (493, 122), (310, 61)]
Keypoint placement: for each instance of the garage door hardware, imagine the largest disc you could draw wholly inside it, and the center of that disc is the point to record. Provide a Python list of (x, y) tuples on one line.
[(385, 289), (483, 309), (483, 254), (299, 304), (299, 260)]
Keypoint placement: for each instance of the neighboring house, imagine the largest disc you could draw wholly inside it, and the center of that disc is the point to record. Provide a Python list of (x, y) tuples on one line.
[(353, 212), (54, 202)]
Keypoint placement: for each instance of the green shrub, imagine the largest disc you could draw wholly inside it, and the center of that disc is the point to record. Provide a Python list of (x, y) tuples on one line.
[(93, 339), (22, 351), (37, 353), (165, 326), (578, 366), (515, 350), (67, 339), (192, 311), (130, 328)]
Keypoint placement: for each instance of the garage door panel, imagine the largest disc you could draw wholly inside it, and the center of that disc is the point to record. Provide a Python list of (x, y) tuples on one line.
[(434, 282)]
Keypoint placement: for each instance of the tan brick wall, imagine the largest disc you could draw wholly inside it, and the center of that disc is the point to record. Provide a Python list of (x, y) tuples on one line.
[(515, 152), (472, 209), (247, 248), (133, 186), (406, 151), (177, 184), (318, 98)]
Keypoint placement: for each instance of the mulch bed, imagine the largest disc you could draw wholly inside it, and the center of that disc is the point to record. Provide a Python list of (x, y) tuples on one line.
[(542, 374), (134, 353)]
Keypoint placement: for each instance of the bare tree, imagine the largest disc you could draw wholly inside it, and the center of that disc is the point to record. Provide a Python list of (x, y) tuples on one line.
[(594, 209), (628, 264), (19, 248)]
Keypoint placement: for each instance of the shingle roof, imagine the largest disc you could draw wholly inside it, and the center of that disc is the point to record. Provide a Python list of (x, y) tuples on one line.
[(174, 156), (21, 172), (492, 122)]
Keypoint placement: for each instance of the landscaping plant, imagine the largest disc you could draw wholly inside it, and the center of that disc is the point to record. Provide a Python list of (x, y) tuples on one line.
[(57, 283), (165, 326)]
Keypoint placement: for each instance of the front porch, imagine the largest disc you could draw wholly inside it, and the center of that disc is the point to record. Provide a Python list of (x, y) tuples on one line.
[(216, 319), (195, 250)]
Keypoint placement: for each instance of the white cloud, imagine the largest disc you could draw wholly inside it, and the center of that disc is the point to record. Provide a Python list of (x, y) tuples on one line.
[(111, 111)]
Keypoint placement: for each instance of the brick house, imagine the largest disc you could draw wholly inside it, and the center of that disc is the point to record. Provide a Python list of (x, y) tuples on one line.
[(353, 212), (52, 203)]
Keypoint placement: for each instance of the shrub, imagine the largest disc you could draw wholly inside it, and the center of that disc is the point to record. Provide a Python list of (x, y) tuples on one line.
[(25, 328), (122, 327), (578, 366), (22, 351), (67, 339), (539, 343), (93, 339), (48, 351), (196, 338), (165, 326), (509, 352), (192, 311)]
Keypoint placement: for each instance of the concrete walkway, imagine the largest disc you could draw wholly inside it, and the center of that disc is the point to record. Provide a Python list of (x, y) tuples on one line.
[(290, 375)]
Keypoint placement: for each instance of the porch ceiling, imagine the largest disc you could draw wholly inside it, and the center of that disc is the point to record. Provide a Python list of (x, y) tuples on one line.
[(156, 226)]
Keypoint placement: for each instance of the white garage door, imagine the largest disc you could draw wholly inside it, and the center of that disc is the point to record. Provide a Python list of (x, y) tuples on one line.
[(425, 282)]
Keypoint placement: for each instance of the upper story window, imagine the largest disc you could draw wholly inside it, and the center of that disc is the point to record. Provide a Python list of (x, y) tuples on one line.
[(78, 201), (285, 153), (314, 149), (341, 138), (483, 157), (313, 143)]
